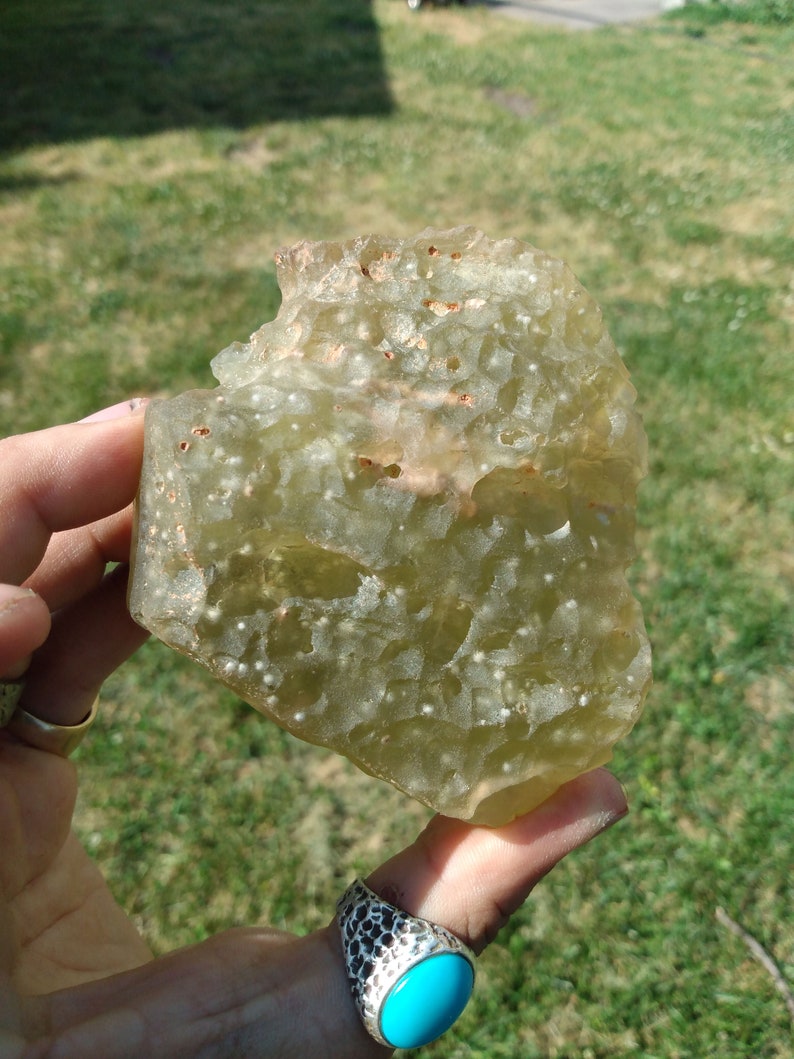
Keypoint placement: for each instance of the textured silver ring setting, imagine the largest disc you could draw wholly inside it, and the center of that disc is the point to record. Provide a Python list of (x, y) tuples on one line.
[(410, 979)]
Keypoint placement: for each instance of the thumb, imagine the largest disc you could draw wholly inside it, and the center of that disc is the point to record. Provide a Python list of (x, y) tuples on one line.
[(471, 879), (260, 993)]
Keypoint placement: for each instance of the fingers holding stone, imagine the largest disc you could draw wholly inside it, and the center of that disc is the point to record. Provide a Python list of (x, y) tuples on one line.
[(470, 879), (62, 478), (65, 496)]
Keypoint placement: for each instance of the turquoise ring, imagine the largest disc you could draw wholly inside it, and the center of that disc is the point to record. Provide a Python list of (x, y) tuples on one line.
[(410, 979)]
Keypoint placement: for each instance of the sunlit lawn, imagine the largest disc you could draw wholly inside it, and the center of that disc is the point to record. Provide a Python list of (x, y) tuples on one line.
[(155, 155)]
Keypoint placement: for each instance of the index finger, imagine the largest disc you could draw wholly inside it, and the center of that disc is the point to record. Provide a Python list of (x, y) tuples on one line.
[(61, 478)]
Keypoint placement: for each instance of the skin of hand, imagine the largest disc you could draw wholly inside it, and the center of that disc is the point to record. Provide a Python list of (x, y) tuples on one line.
[(76, 979)]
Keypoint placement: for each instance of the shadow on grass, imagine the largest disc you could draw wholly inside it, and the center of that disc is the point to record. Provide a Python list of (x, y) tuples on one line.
[(80, 69)]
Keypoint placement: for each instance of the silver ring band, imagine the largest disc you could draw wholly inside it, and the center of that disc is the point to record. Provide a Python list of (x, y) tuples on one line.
[(60, 739), (410, 979)]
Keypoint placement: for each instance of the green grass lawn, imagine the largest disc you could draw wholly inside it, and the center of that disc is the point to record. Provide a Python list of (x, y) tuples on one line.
[(154, 155)]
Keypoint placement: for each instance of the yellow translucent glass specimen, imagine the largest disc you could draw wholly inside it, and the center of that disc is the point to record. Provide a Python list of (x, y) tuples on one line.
[(400, 525)]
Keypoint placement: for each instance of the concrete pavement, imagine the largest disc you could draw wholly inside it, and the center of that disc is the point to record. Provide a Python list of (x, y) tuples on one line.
[(579, 14)]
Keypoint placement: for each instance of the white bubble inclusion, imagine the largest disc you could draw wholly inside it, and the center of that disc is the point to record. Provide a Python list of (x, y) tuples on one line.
[(559, 534)]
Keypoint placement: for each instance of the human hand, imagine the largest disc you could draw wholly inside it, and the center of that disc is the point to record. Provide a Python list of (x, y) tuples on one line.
[(76, 979)]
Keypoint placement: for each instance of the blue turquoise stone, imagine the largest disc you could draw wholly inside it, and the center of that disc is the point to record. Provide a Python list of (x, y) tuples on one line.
[(426, 1000)]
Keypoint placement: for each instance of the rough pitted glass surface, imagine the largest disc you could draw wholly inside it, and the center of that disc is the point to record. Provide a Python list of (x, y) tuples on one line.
[(400, 525)]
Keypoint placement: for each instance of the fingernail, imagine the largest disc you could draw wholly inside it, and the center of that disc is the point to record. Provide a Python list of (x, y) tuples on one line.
[(11, 596), (609, 819), (610, 816), (117, 411)]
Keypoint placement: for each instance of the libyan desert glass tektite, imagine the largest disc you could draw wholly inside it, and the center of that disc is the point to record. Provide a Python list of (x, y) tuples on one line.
[(400, 525)]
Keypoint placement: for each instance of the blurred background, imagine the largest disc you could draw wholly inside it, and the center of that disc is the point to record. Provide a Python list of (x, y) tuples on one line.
[(154, 155)]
